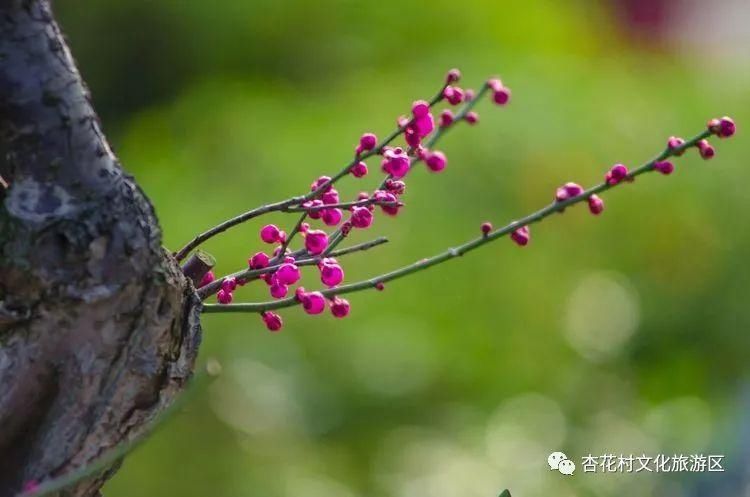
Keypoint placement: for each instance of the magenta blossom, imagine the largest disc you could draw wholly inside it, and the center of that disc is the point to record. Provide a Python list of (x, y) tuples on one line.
[(270, 233), (617, 173), (288, 273), (330, 197), (423, 121), (258, 261), (674, 143), (521, 236), (207, 278), (340, 307), (453, 94), (359, 170), (323, 180), (331, 273), (312, 302), (436, 161), (446, 118), (367, 142), (384, 196), (316, 241), (705, 149), (224, 297), (568, 190), (396, 162), (272, 320), (332, 217), (361, 217), (596, 205), (278, 289), (314, 213), (229, 284), (664, 167)]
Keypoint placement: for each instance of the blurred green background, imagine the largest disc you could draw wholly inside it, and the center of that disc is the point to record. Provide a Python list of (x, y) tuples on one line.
[(622, 334)]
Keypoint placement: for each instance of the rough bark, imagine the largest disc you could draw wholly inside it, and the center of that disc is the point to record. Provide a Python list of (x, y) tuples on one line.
[(98, 327)]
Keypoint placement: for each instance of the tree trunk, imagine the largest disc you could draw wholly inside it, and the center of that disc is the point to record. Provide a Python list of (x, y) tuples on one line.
[(99, 329)]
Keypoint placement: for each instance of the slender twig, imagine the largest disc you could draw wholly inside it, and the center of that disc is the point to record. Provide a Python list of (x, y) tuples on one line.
[(345, 205), (336, 236), (464, 248), (298, 200), (251, 274)]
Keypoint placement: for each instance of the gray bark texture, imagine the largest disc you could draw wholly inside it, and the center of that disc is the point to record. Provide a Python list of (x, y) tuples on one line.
[(99, 329)]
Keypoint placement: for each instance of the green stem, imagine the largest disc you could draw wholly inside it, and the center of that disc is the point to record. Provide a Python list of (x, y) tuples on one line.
[(459, 250)]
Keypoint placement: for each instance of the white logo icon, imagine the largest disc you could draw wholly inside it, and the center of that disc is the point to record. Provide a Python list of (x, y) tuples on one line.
[(559, 461)]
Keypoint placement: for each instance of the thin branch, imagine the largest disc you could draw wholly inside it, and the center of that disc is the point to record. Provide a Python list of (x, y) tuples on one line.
[(251, 274), (346, 205), (336, 236), (285, 204), (461, 249)]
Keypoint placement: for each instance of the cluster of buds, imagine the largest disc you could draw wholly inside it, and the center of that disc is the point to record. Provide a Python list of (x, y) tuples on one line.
[(281, 270)]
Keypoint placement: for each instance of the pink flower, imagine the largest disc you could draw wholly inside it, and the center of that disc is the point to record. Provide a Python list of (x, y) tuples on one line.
[(224, 297), (396, 162), (339, 307), (331, 273), (330, 197), (617, 173), (279, 290), (472, 117), (501, 96), (332, 217), (420, 108), (664, 167), (706, 150), (313, 206), (568, 190), (723, 128), (323, 180), (424, 125), (367, 141), (495, 84), (229, 284), (727, 127), (316, 241), (452, 76), (361, 217), (359, 170), (272, 320), (453, 94), (486, 228), (288, 273), (207, 278), (596, 204), (446, 118), (382, 196), (436, 161), (258, 261), (396, 187), (270, 233), (674, 143), (313, 302), (411, 135), (521, 236)]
